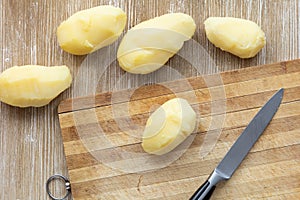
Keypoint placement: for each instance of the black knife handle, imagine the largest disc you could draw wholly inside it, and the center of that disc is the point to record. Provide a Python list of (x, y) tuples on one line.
[(206, 188), (205, 191)]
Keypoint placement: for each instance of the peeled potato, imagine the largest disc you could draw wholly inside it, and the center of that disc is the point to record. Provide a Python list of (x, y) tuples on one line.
[(168, 126), (240, 37), (33, 85), (149, 45), (89, 30)]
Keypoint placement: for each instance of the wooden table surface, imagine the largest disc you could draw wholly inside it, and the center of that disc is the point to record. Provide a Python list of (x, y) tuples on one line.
[(31, 146)]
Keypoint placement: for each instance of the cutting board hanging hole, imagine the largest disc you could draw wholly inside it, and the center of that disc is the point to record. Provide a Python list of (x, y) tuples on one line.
[(66, 182)]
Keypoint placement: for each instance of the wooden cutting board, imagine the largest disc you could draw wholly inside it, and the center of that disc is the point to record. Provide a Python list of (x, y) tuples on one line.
[(102, 134)]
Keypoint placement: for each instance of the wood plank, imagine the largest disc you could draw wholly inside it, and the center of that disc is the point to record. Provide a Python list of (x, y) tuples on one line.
[(228, 77), (257, 158)]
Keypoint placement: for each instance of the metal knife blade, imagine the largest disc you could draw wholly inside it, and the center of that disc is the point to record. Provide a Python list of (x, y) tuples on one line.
[(241, 147)]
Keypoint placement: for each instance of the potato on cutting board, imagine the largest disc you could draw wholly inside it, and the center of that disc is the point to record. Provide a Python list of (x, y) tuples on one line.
[(240, 37), (168, 126), (149, 45), (33, 85), (89, 30)]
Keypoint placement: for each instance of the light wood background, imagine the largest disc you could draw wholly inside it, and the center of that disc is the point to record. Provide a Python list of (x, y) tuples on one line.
[(31, 147)]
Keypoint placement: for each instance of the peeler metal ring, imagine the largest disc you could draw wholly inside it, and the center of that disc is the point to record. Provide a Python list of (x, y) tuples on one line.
[(61, 178)]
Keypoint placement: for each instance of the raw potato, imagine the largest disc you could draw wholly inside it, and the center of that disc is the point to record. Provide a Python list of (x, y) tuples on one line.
[(33, 85), (149, 45), (89, 30), (240, 37), (168, 126)]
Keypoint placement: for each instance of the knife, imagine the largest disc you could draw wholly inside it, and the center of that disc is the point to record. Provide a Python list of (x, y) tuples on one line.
[(240, 148)]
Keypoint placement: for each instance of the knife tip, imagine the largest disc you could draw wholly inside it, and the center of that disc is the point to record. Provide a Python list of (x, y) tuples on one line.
[(280, 91)]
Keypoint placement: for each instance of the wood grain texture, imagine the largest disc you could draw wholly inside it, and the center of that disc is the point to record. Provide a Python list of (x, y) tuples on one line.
[(31, 147), (95, 139)]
